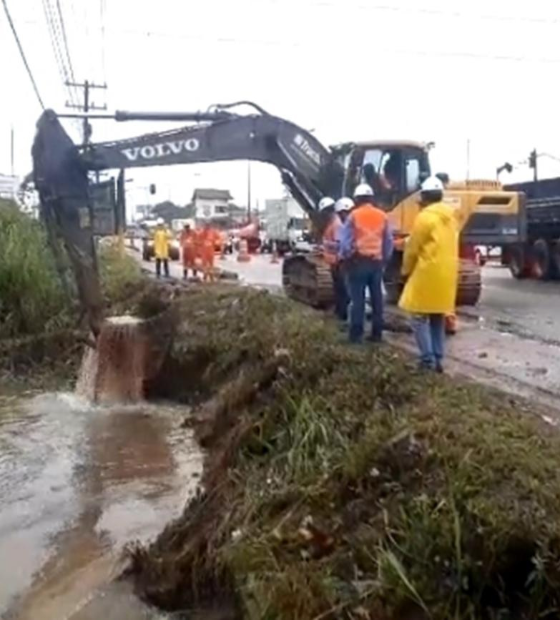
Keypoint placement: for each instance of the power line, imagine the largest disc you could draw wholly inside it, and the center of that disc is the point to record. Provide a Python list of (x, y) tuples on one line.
[(22, 53), (65, 39), (301, 44)]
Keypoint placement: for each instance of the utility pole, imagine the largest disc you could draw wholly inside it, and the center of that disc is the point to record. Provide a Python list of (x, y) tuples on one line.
[(87, 106), (249, 190), (533, 156)]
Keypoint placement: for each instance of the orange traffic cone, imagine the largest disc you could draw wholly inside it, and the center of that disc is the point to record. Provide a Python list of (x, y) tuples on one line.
[(243, 255)]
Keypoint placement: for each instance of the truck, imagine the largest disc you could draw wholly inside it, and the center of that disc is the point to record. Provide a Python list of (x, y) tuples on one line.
[(285, 225), (537, 253)]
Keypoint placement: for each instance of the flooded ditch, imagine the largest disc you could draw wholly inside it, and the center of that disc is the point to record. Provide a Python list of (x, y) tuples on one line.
[(78, 482)]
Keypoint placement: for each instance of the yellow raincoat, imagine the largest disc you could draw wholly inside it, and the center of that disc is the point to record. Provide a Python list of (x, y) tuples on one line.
[(161, 243), (431, 262)]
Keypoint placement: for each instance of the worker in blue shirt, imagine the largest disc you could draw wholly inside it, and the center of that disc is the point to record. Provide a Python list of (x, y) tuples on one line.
[(366, 246)]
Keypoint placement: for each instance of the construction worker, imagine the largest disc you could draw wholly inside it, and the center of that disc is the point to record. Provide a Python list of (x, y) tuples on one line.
[(188, 250), (431, 264), (161, 248), (331, 243), (208, 240), (366, 245)]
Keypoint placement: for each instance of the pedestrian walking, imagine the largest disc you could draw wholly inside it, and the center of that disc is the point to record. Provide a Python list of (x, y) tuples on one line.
[(366, 246), (431, 267)]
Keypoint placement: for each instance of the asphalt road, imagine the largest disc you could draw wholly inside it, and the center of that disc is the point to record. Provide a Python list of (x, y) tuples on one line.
[(511, 340)]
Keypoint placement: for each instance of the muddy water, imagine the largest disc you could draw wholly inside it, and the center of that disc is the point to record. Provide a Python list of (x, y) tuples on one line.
[(77, 483)]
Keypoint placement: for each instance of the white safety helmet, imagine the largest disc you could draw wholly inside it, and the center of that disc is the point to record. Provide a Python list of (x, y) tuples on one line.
[(325, 203), (160, 221), (343, 204), (363, 191), (432, 184)]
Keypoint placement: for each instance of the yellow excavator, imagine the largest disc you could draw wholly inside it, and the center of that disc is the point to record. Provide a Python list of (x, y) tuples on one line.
[(487, 215)]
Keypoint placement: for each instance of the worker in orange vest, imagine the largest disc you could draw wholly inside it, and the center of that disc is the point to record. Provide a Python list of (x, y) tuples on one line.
[(188, 250), (366, 246), (208, 240), (330, 246)]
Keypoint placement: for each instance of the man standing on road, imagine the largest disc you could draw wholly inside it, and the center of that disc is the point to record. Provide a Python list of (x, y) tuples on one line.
[(366, 244), (209, 239), (331, 247), (188, 250), (431, 264), (161, 248)]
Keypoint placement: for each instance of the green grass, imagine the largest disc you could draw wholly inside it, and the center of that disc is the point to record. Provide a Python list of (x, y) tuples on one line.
[(354, 486), (31, 296), (120, 274)]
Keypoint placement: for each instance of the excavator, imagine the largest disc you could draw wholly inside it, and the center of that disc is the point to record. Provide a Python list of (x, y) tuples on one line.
[(487, 215)]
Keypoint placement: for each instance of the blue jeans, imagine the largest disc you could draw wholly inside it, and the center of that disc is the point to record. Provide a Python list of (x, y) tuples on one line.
[(365, 274), (429, 330)]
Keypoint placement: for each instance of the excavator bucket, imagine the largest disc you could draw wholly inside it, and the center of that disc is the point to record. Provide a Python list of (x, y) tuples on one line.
[(62, 183)]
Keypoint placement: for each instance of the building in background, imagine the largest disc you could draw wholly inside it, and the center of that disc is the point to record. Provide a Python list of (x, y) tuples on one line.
[(213, 204), (9, 186)]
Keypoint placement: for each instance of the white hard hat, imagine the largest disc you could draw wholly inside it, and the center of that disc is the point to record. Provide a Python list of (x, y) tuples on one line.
[(363, 190), (432, 184), (325, 203), (343, 204), (160, 221)]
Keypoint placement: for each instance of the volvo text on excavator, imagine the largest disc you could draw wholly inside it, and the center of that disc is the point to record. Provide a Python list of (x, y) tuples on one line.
[(487, 214)]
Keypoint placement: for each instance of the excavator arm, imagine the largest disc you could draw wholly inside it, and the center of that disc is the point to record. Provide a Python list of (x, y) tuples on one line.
[(308, 169)]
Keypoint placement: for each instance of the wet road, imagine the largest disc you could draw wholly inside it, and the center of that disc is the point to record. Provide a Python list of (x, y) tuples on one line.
[(78, 483)]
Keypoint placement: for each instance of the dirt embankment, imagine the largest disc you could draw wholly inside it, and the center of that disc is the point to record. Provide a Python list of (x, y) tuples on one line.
[(342, 483)]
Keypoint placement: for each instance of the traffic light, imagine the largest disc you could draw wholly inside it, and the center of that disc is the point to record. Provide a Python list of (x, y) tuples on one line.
[(533, 159), (152, 188)]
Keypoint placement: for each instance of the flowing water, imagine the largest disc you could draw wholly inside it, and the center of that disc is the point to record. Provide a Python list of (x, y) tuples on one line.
[(78, 482)]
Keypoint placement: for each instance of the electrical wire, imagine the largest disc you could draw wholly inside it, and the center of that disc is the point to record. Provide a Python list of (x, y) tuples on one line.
[(102, 10), (301, 44), (65, 39), (22, 53)]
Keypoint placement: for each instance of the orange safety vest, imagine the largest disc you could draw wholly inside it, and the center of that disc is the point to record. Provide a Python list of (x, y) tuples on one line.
[(331, 241), (369, 224)]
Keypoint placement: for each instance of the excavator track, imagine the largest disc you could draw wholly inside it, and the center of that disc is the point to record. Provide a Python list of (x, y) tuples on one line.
[(307, 278)]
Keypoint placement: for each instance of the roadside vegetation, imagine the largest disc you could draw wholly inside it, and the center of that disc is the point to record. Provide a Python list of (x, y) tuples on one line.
[(41, 327), (342, 483)]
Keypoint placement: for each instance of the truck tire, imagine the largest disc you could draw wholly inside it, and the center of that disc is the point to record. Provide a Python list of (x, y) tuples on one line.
[(518, 264), (555, 251), (542, 265)]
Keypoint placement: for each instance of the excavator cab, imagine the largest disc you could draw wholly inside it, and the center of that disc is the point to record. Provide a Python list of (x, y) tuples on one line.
[(395, 170)]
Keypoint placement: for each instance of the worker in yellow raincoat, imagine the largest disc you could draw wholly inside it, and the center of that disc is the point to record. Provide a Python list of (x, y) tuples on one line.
[(431, 268), (161, 248)]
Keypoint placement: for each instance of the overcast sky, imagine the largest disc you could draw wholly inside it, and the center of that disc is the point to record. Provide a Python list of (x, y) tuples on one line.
[(450, 71)]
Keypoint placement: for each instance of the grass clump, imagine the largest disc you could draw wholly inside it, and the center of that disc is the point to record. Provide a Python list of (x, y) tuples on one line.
[(345, 484), (32, 299), (120, 274)]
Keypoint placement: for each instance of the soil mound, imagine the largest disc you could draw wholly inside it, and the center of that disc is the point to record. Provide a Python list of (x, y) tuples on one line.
[(342, 483)]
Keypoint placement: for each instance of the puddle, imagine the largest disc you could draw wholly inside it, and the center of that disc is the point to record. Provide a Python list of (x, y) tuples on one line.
[(77, 484)]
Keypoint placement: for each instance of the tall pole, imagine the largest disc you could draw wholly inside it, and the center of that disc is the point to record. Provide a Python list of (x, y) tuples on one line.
[(249, 189), (86, 106)]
